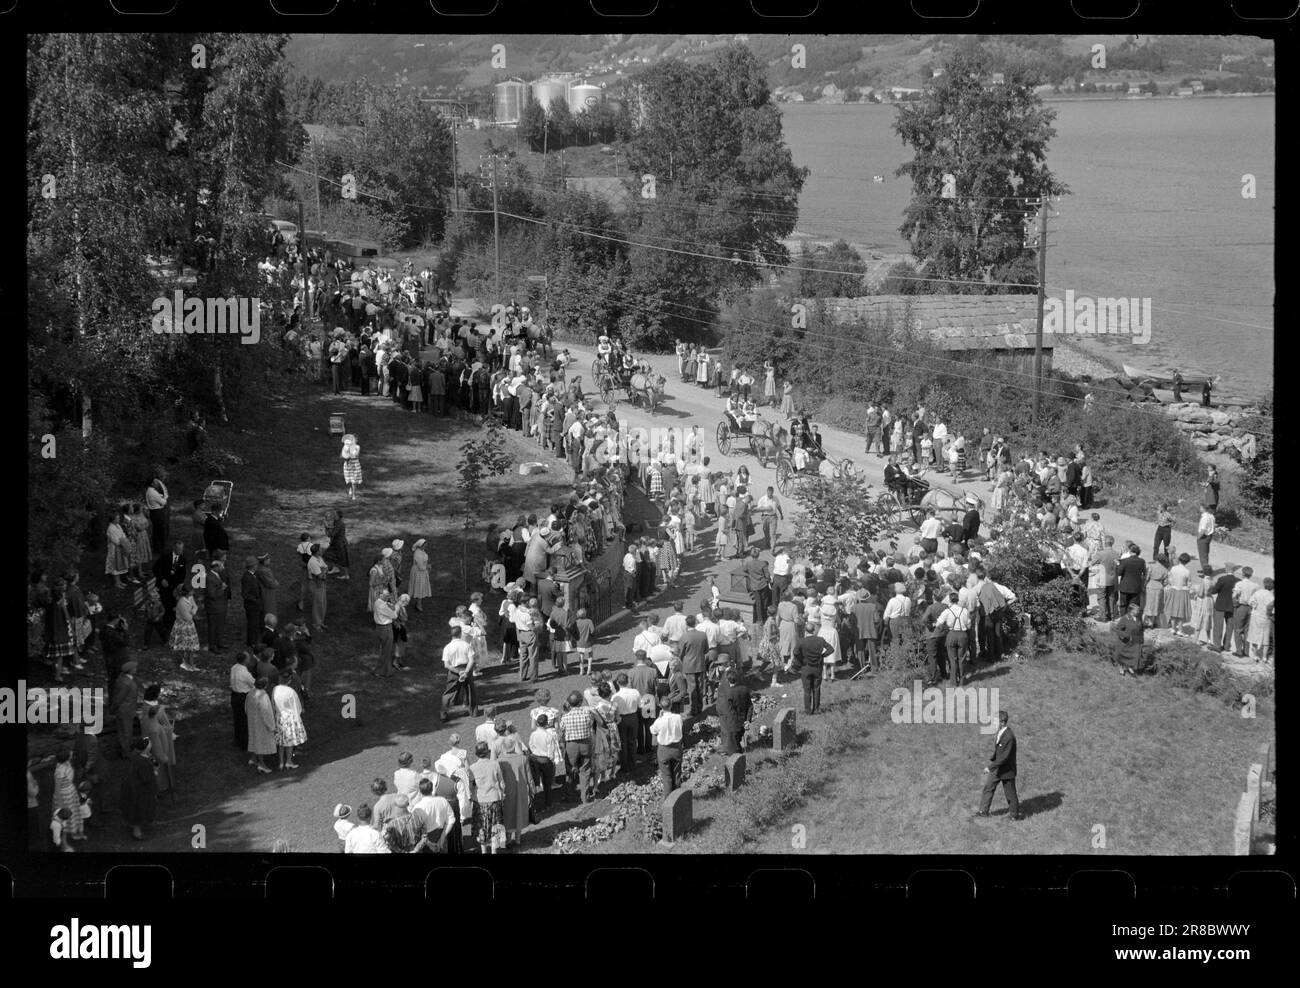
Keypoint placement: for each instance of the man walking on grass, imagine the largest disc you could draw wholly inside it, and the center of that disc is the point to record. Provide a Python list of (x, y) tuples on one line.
[(1001, 768)]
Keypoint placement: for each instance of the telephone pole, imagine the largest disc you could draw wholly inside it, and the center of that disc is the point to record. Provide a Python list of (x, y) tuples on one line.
[(491, 176), (1041, 240), (455, 185)]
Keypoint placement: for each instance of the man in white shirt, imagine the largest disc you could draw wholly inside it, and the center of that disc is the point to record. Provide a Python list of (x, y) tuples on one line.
[(434, 817), (780, 576), (649, 635), (458, 660), (1077, 557), (526, 626), (1205, 535), (627, 701), (667, 734), (660, 655), (929, 533), (673, 629), (363, 838), (770, 513), (898, 613), (710, 628), (957, 620), (629, 578)]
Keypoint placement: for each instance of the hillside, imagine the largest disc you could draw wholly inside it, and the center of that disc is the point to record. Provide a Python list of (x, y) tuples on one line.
[(440, 66)]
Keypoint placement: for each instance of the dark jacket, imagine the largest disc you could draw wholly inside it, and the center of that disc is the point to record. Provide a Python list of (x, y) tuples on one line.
[(1128, 641), (1131, 574), (695, 645), (1003, 761), (170, 577), (971, 525), (214, 535), (1222, 590), (809, 652), (250, 589)]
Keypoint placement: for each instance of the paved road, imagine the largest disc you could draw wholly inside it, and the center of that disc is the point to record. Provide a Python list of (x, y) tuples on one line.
[(688, 404)]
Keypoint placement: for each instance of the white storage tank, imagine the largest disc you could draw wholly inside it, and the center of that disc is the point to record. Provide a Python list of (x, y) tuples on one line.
[(584, 97), (546, 90), (511, 98)]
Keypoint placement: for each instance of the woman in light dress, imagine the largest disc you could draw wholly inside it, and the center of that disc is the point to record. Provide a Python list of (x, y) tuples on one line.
[(157, 727), (65, 794), (420, 586), (261, 725), (605, 742), (290, 731), (141, 541), (702, 370), (351, 455), (117, 560), (787, 400), (185, 637), (1202, 610), (516, 773), (1177, 596), (769, 383), (1260, 633), (827, 613), (1157, 578)]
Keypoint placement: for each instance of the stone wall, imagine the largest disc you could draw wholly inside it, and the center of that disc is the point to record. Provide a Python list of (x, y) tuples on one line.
[(1212, 429)]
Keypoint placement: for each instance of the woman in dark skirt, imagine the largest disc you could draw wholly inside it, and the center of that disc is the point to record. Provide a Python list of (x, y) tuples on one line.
[(139, 789)]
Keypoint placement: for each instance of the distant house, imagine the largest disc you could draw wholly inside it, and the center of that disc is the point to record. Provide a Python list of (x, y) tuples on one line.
[(1000, 328), (1198, 86), (1134, 89), (1186, 91), (999, 79), (606, 187)]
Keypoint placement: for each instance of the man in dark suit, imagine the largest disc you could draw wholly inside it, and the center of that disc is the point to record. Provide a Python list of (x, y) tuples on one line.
[(216, 598), (116, 640), (732, 704), (866, 617), (170, 571), (250, 589), (214, 535), (1001, 768), (695, 647), (970, 524), (1131, 578), (807, 661), (547, 589), (1221, 628), (757, 584)]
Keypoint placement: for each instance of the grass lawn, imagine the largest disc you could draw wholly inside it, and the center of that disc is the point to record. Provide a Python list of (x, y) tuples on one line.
[(1159, 768)]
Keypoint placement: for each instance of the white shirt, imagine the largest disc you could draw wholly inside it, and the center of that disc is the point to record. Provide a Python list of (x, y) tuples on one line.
[(781, 564), (343, 828), (940, 432), (384, 612), (667, 728), (899, 606), (365, 839), (629, 563), (955, 617), (930, 528), (406, 782), (661, 655), (523, 620), (457, 654), (1206, 527), (627, 700), (437, 811), (648, 639), (674, 627)]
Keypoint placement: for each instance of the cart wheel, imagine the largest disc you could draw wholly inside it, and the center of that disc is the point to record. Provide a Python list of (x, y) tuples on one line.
[(595, 368), (917, 514), (607, 392), (784, 477), (724, 439)]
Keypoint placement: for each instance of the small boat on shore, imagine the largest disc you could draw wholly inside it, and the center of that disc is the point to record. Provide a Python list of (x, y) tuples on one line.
[(1191, 380)]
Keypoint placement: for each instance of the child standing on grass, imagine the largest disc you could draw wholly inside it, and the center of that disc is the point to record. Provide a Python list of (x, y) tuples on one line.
[(343, 824), (586, 629)]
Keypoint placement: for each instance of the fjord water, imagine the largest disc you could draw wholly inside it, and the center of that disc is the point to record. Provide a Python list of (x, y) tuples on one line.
[(1155, 211)]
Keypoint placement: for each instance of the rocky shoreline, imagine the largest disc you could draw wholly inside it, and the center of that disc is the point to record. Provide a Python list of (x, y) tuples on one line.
[(1216, 429)]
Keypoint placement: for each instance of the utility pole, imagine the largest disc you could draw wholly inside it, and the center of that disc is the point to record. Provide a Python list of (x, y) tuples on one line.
[(455, 185), (1042, 299), (496, 216), (315, 168)]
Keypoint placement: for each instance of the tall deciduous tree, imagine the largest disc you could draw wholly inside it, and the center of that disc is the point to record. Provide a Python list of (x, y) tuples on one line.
[(991, 139), (480, 459), (839, 519)]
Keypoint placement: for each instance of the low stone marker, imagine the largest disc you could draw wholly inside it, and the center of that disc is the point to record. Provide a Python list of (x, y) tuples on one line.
[(677, 815), (735, 768), (783, 733)]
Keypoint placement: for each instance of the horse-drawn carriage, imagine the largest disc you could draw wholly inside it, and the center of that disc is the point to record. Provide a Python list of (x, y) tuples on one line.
[(792, 467), (759, 438), (917, 495), (642, 388)]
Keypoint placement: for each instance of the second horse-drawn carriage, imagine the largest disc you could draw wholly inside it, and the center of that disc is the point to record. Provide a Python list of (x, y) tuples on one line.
[(909, 500), (642, 385)]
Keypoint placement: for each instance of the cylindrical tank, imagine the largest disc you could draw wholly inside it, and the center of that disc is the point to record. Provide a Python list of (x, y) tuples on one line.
[(511, 98), (546, 90), (584, 96)]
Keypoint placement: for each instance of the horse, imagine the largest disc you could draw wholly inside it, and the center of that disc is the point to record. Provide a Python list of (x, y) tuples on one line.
[(648, 388)]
